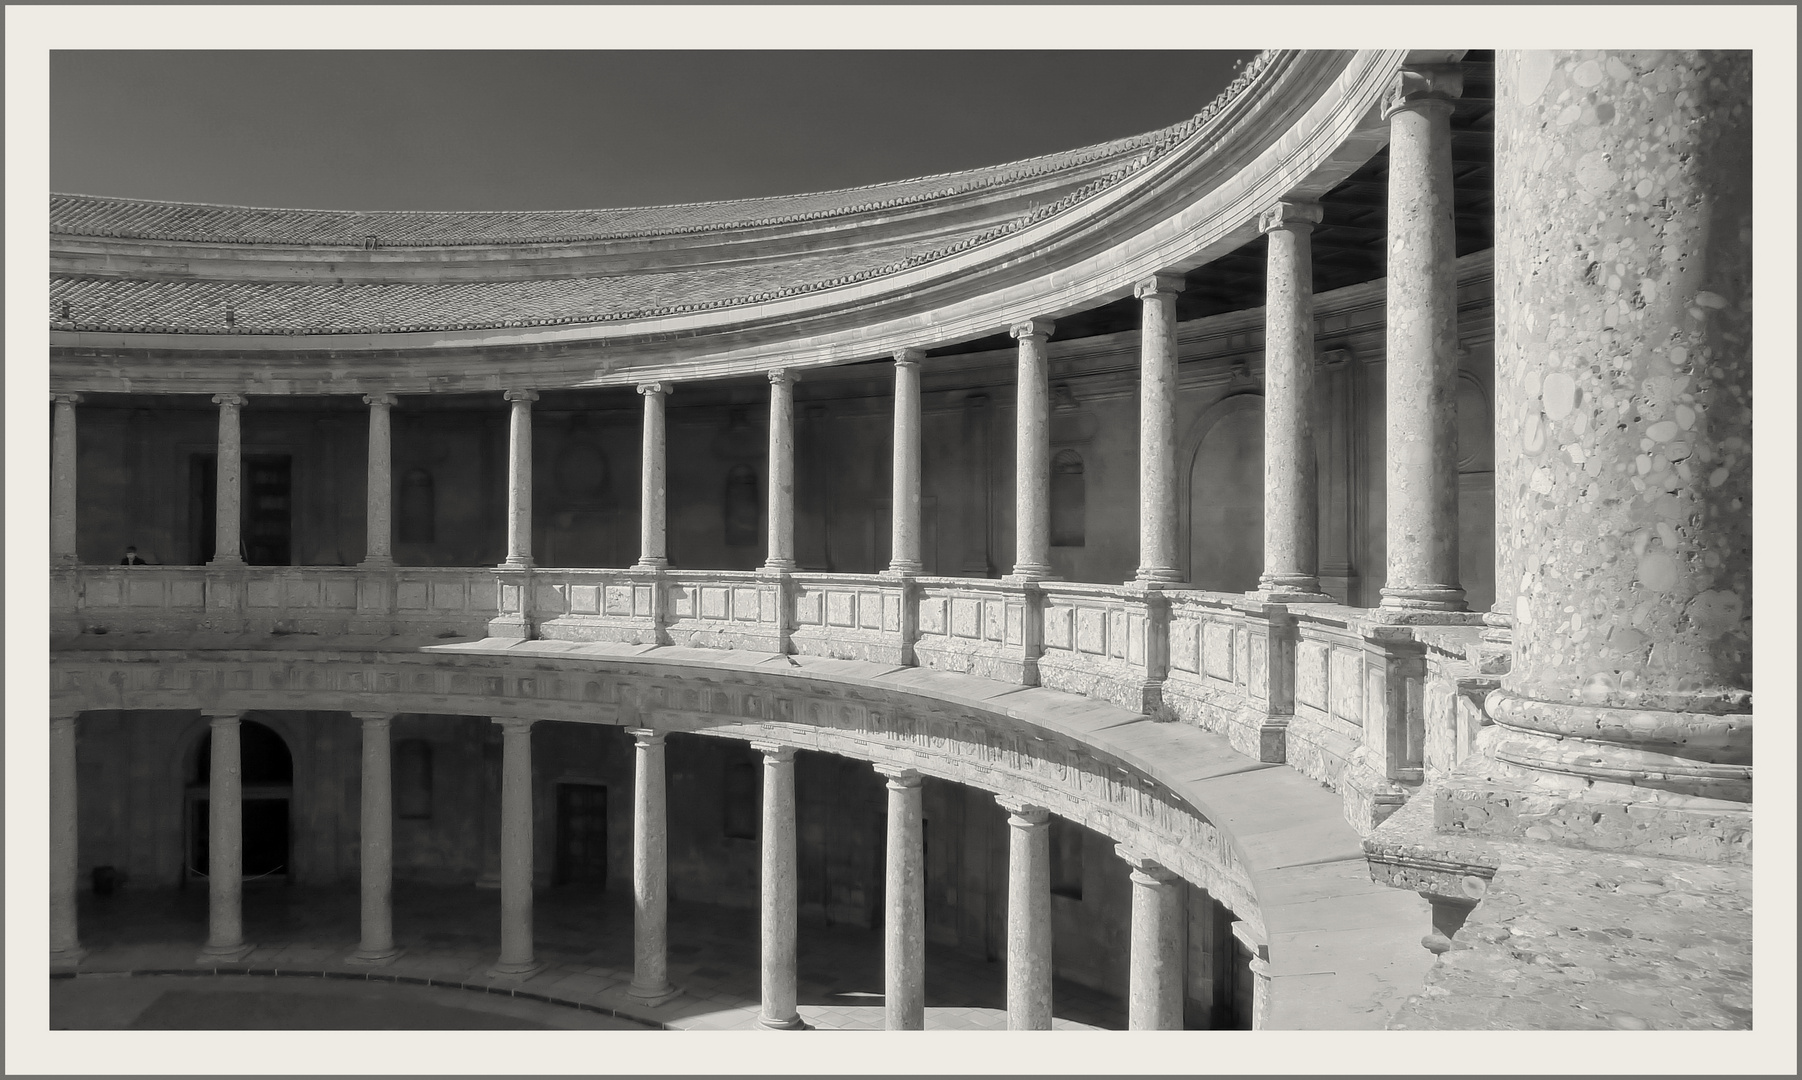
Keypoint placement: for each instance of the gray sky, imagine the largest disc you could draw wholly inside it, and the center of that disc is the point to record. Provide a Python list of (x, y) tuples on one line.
[(460, 130)]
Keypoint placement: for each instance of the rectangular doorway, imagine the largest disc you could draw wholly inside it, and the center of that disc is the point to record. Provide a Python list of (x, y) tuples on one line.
[(581, 834), (266, 516)]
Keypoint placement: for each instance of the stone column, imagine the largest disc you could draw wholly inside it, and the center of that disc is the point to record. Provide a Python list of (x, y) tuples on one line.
[(1624, 394), (379, 551), (653, 482), (1291, 502), (225, 846), (62, 478), (781, 558), (519, 480), (1259, 968), (1155, 988), (1032, 453), (65, 938), (377, 843), (650, 872), (1028, 917), (904, 923), (781, 898), (228, 484), (1157, 428), (904, 543), (1422, 374), (517, 956)]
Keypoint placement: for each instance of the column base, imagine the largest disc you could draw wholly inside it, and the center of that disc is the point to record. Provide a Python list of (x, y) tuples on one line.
[(376, 563), (1146, 575), (649, 566), (516, 972), (67, 958), (1430, 597), (374, 957), (1031, 572), (515, 564), (910, 568), (224, 954), (776, 568), (793, 1023), (232, 560), (1411, 616), (650, 997)]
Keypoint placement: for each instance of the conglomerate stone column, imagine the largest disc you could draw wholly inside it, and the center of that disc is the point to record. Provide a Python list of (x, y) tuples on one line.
[(1291, 505), (65, 938), (379, 550), (228, 483), (1032, 453), (781, 897), (62, 477), (225, 845), (904, 537), (1624, 387), (653, 481), (1157, 428), (1155, 986), (519, 479), (904, 923), (517, 955), (781, 558), (650, 871), (1422, 315), (1028, 917), (377, 842)]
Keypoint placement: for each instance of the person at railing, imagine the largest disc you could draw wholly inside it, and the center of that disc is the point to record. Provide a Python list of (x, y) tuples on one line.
[(132, 558)]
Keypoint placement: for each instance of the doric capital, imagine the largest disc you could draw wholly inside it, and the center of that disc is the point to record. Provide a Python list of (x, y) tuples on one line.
[(386, 401), (1296, 214), (774, 751), (1039, 328), (521, 395), (1429, 85), (373, 719), (783, 377), (63, 720), (223, 719), (1150, 870), (230, 401), (900, 776), (1157, 285), (649, 388), (1021, 813), (909, 357), (515, 725), (645, 738), (66, 399)]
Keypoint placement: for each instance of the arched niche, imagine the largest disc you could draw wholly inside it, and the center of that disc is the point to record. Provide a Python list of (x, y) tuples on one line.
[(1224, 518)]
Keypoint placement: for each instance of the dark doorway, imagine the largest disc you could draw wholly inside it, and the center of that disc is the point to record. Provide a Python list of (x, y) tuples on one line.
[(266, 519), (582, 833), (267, 770)]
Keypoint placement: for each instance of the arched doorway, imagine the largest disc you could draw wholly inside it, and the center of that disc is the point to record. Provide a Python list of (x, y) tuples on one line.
[(268, 777), (1226, 498)]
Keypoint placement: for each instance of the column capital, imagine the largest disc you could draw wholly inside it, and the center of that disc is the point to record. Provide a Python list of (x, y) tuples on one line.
[(58, 719), (1039, 328), (385, 400), (514, 725), (1022, 813), (68, 399), (230, 400), (774, 751), (900, 776), (783, 377), (368, 718), (1422, 87), (649, 388), (223, 719), (1158, 285), (1298, 214), (521, 395), (646, 737), (1145, 870), (909, 357)]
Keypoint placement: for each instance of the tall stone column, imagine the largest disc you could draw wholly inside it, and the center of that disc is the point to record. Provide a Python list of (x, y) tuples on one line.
[(781, 897), (1155, 986), (1624, 392), (65, 938), (904, 537), (519, 480), (650, 872), (377, 842), (1028, 917), (228, 484), (904, 923), (1422, 316), (1157, 428), (1291, 501), (517, 955), (62, 478), (653, 482), (1032, 453), (225, 846), (781, 558), (379, 550)]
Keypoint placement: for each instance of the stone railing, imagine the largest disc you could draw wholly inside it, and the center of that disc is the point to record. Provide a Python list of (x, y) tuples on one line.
[(1232, 663), (979, 627), (1106, 641), (851, 617)]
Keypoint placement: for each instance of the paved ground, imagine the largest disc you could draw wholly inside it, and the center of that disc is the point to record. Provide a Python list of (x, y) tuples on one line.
[(584, 936)]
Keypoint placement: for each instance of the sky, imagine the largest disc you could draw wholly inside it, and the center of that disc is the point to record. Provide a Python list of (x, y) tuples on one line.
[(471, 130)]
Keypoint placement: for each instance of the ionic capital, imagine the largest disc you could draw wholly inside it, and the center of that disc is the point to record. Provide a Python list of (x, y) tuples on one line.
[(386, 401), (909, 357), (1423, 87), (229, 401), (66, 399), (1300, 215), (1023, 814), (649, 388), (1039, 328), (521, 395), (1158, 285), (899, 776), (773, 751), (645, 738)]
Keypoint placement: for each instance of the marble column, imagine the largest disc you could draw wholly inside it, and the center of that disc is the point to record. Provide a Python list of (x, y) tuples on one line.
[(904, 541), (228, 484), (1028, 917), (377, 842), (65, 938), (1291, 502), (225, 846), (379, 550), (1158, 559), (650, 872), (781, 897), (904, 921), (1032, 453), (517, 955), (781, 558), (1155, 980), (1422, 374), (519, 480), (653, 481), (1624, 225), (62, 478)]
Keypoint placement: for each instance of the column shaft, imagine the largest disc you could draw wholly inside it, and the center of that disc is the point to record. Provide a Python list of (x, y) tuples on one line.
[(225, 844), (377, 841), (904, 540), (1291, 509), (1032, 453), (781, 558), (517, 955), (1157, 429), (62, 478), (1028, 918), (780, 925), (650, 870), (228, 483), (1155, 994), (519, 479), (653, 482), (904, 923), (65, 939), (379, 551)]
